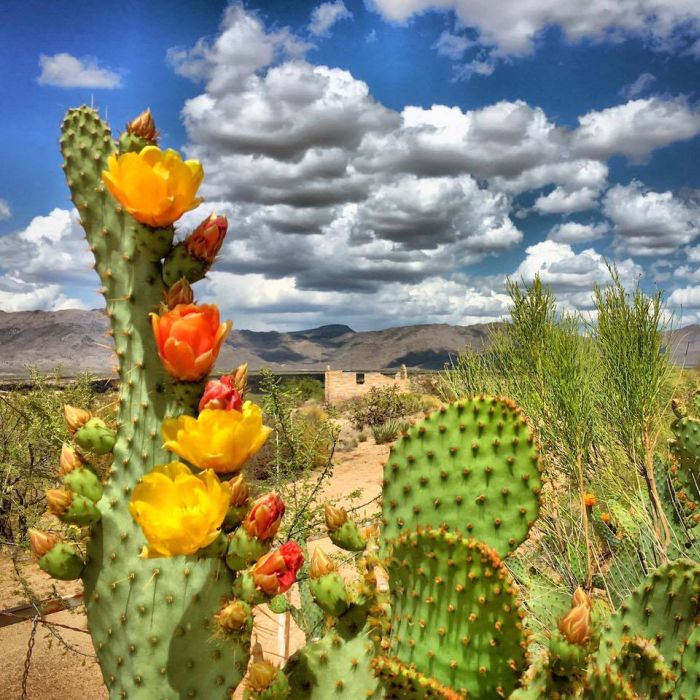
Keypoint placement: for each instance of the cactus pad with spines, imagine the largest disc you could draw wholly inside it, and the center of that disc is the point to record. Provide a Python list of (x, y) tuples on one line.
[(664, 610), (472, 466), (338, 665), (455, 615)]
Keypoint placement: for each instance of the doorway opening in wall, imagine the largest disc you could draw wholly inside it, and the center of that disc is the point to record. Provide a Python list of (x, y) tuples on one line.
[(360, 378)]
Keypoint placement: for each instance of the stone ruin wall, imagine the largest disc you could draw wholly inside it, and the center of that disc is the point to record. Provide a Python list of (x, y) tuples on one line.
[(341, 385)]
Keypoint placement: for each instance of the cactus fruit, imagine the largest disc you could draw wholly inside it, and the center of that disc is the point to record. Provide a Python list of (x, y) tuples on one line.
[(62, 562)]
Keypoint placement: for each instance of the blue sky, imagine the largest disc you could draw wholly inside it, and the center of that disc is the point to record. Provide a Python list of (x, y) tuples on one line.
[(381, 162)]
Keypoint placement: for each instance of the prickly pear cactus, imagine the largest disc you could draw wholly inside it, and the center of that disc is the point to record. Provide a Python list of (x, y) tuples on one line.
[(151, 620), (179, 555)]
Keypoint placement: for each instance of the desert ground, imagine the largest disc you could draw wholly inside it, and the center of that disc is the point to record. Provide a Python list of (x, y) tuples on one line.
[(59, 674)]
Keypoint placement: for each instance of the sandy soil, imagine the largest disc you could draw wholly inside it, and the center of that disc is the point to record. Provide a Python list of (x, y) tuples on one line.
[(58, 673)]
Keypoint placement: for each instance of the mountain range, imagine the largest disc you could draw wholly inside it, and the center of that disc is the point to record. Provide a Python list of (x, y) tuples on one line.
[(77, 341)]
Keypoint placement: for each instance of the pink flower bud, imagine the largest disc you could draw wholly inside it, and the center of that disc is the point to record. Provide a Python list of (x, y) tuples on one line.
[(221, 394), (264, 518), (206, 240)]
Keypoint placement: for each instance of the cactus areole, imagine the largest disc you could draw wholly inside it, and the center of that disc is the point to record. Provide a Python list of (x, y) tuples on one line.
[(180, 552)]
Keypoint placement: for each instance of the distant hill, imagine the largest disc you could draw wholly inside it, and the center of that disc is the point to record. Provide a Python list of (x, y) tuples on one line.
[(78, 341)]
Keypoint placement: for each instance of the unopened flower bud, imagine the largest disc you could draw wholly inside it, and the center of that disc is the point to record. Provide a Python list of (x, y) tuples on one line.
[(206, 240), (234, 616), (370, 532), (261, 674), (575, 626), (589, 500), (240, 379), (58, 500), (69, 461), (335, 517), (265, 517), (41, 542), (320, 564), (179, 293), (240, 493), (580, 597), (76, 417), (605, 517), (221, 395), (144, 126)]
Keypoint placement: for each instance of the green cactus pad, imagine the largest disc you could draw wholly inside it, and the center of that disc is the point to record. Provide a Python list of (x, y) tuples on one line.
[(566, 659), (608, 684), (62, 562), (663, 609), (180, 263), (455, 615), (403, 682), (338, 665), (471, 466)]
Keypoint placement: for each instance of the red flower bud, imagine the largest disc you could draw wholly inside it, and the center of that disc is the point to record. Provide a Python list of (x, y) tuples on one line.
[(206, 240), (265, 516), (221, 394), (276, 572)]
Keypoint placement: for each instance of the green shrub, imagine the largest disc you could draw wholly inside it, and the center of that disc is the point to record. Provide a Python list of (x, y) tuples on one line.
[(32, 431), (389, 431), (306, 388), (382, 405)]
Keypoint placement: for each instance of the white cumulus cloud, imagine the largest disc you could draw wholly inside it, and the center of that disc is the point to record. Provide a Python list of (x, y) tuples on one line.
[(636, 128), (326, 15), (572, 232), (650, 223), (67, 71), (5, 211), (512, 26)]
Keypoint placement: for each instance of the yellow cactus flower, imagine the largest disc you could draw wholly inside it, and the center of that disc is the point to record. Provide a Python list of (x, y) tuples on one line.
[(156, 187), (178, 511), (217, 439)]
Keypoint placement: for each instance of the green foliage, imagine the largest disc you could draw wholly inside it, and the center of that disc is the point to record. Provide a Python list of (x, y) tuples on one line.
[(298, 459), (381, 405), (32, 431), (305, 388), (389, 430)]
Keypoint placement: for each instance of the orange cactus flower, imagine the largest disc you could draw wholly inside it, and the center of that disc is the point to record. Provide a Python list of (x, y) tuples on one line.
[(265, 516), (589, 500), (605, 517), (188, 339), (275, 572)]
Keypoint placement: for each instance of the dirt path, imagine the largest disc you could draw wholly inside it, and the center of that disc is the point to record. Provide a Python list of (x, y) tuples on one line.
[(60, 674)]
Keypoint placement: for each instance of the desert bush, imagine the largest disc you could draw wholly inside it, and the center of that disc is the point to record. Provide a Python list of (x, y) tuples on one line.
[(381, 405), (32, 431), (389, 430), (305, 388)]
